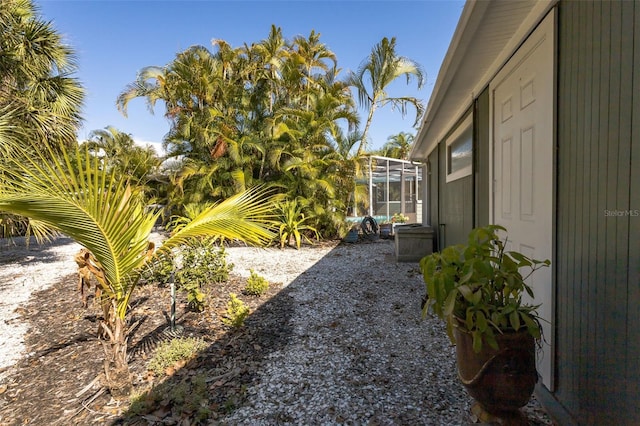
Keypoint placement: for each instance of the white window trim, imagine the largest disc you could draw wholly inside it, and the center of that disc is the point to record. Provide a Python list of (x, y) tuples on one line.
[(464, 172)]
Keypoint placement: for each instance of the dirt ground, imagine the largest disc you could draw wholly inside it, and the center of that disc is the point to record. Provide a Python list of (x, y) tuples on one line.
[(57, 383)]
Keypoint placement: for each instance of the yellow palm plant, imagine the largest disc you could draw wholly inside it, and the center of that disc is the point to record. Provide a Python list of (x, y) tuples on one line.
[(75, 194)]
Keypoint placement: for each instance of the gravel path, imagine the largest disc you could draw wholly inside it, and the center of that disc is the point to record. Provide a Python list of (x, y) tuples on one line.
[(359, 351)]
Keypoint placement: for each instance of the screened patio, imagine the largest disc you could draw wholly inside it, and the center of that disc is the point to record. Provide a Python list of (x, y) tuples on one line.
[(392, 186)]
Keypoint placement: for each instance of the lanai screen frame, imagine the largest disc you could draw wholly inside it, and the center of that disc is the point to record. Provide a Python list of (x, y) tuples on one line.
[(388, 170)]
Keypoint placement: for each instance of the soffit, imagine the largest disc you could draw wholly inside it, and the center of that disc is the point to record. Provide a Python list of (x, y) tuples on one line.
[(487, 34)]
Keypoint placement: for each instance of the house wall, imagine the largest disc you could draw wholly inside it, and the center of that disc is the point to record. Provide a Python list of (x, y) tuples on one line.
[(481, 148), (598, 209), (433, 182), (451, 206), (456, 206)]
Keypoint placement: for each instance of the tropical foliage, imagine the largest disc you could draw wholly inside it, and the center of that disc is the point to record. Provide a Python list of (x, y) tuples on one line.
[(275, 112), (291, 224), (120, 154), (39, 99), (106, 214), (373, 77), (246, 123), (397, 146)]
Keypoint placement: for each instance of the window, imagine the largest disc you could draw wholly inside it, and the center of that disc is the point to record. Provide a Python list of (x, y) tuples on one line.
[(460, 151)]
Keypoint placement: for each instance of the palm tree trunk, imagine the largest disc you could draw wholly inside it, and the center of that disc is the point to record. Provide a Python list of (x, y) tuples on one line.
[(116, 369), (363, 142)]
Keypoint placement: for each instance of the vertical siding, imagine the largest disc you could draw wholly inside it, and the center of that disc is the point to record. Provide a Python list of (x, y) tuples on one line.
[(597, 254), (633, 301), (455, 199), (481, 159), (456, 206), (433, 182)]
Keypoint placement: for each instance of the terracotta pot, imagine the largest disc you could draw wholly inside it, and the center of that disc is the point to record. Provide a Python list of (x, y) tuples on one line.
[(499, 380)]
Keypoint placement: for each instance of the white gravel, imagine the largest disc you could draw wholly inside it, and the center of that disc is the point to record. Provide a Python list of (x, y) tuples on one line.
[(359, 351), (23, 271)]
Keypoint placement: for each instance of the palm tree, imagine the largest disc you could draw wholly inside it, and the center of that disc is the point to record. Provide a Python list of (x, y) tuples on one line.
[(270, 55), (104, 213), (398, 146), (39, 100), (345, 168), (36, 87), (375, 74), (119, 151), (312, 54)]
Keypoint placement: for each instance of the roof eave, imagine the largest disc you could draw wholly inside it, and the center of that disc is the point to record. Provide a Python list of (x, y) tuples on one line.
[(436, 124)]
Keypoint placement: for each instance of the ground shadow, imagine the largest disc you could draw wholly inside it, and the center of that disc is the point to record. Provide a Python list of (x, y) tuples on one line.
[(215, 382), (17, 251)]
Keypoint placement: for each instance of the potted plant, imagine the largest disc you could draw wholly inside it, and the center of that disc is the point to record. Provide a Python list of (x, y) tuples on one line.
[(478, 290), (386, 229), (399, 218)]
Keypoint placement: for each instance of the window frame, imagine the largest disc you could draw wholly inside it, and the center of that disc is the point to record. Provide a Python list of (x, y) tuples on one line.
[(465, 126)]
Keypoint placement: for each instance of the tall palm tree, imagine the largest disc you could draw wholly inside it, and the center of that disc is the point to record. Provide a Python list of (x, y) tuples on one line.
[(373, 77), (104, 213), (313, 55), (271, 54), (36, 84), (39, 98)]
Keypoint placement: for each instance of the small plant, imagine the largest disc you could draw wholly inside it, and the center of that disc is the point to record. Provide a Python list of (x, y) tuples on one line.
[(291, 225), (203, 262), (170, 352), (196, 299), (236, 313), (200, 264), (187, 398), (399, 218), (256, 284)]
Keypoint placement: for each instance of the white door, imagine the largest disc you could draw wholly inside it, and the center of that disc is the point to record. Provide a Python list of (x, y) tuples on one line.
[(523, 106)]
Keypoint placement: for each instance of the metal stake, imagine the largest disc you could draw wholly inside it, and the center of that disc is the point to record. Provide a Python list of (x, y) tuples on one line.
[(172, 281)]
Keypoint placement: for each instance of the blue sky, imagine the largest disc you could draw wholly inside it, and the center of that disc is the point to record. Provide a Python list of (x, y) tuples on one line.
[(114, 39)]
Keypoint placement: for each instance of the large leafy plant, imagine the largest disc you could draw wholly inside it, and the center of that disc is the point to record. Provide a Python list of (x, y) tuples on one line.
[(479, 287), (291, 224), (74, 194)]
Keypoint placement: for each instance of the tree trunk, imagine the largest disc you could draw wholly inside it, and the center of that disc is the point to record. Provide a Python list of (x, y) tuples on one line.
[(116, 369), (363, 142)]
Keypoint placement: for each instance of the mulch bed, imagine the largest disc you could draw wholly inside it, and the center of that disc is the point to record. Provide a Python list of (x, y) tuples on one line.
[(58, 383)]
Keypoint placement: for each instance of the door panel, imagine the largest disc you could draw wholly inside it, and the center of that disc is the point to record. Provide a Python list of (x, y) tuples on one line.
[(523, 106)]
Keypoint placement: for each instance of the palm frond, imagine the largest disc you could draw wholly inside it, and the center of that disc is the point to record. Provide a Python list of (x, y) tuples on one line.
[(244, 217), (100, 211)]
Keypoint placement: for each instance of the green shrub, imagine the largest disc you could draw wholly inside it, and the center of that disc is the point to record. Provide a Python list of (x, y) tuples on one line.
[(256, 284), (291, 224), (202, 263), (169, 352), (236, 313), (159, 271)]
